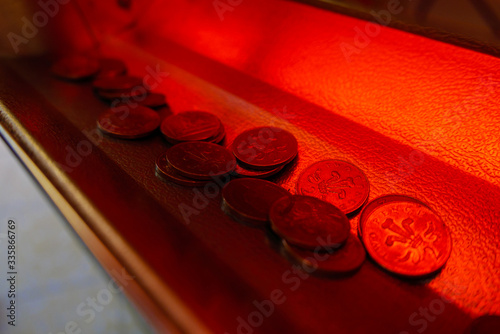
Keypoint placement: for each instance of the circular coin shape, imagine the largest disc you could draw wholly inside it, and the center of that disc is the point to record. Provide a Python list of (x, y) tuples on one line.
[(309, 222), (344, 260), (111, 67), (130, 123), (406, 237), (251, 199), (201, 160), (190, 125), (264, 147), (164, 169), (75, 67), (486, 324), (335, 181), (122, 82)]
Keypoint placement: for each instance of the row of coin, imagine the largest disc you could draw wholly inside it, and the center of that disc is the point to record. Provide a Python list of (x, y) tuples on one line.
[(132, 113), (403, 235), (329, 190)]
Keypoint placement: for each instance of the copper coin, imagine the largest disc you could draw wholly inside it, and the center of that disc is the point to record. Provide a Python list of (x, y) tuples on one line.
[(367, 210), (164, 169), (120, 83), (251, 199), (486, 324), (128, 123), (247, 172), (111, 67), (152, 100), (344, 260), (264, 147), (308, 222), (406, 237), (335, 181), (190, 126), (200, 160), (75, 67)]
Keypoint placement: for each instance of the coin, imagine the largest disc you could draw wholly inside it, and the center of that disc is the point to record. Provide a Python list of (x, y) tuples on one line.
[(335, 181), (344, 260), (119, 83), (367, 210), (190, 126), (251, 199), (200, 160), (128, 123), (264, 147), (166, 171), (309, 222), (75, 67), (240, 171), (486, 324), (405, 237), (111, 67)]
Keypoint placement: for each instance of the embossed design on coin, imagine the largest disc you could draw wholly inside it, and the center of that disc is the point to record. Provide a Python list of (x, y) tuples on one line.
[(249, 200), (191, 125), (304, 221), (130, 123), (367, 210), (406, 237), (335, 181), (200, 160), (264, 147)]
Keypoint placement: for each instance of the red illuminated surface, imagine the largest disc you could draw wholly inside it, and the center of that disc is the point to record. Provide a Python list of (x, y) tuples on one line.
[(419, 117)]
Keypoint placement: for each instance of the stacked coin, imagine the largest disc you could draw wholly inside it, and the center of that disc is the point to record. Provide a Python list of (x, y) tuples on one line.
[(195, 163), (316, 234), (404, 236), (193, 126), (263, 151), (338, 182), (249, 200), (306, 222)]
